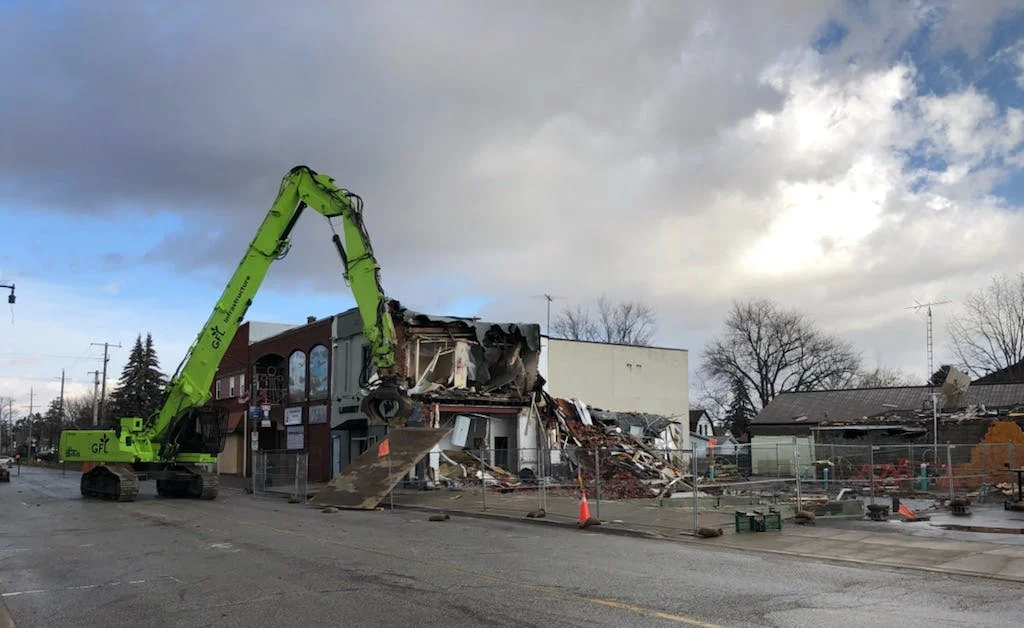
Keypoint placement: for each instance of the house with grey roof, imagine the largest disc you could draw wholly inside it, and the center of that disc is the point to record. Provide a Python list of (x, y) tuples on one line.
[(902, 414)]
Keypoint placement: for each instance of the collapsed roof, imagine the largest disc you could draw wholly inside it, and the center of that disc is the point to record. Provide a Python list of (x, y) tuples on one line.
[(461, 357)]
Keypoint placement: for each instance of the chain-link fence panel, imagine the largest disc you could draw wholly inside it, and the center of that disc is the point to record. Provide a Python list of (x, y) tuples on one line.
[(680, 490), (281, 473)]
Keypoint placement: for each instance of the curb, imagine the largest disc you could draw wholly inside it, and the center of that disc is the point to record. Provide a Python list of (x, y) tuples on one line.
[(550, 522), (603, 529), (689, 539)]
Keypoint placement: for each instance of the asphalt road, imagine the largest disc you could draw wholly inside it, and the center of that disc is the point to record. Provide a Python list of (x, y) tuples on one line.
[(240, 561)]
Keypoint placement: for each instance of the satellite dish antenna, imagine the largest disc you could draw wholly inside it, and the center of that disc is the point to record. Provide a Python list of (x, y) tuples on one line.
[(955, 387)]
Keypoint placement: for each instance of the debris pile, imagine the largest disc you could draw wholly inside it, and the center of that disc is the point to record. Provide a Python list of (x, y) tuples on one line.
[(629, 467), (457, 467)]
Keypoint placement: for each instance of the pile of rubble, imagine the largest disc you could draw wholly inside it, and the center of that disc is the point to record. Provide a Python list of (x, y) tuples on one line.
[(629, 467)]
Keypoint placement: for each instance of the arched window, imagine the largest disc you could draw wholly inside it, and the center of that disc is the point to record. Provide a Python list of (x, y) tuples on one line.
[(297, 376), (318, 372)]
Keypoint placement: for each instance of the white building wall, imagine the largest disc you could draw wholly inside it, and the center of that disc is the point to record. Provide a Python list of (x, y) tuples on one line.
[(620, 377)]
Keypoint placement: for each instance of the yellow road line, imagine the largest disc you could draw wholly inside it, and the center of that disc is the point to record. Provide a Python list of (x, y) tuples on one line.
[(451, 568), (653, 613)]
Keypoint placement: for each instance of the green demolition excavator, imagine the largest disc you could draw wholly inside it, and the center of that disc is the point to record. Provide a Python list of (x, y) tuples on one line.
[(184, 433)]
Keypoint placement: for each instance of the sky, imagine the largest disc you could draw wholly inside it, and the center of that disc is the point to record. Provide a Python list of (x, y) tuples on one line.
[(846, 158)]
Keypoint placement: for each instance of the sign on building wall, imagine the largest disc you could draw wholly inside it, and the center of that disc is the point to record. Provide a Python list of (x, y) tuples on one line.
[(294, 439), (317, 414), (293, 416)]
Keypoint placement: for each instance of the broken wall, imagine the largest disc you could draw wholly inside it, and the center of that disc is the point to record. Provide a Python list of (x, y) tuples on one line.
[(468, 356)]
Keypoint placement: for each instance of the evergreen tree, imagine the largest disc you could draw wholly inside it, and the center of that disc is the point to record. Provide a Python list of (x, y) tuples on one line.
[(139, 392), (741, 410), (127, 399), (153, 379), (52, 425)]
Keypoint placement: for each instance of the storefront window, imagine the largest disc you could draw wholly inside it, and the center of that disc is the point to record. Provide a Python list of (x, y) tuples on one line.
[(297, 376), (318, 372)]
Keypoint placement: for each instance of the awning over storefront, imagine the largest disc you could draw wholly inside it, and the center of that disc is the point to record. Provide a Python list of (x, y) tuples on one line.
[(234, 420), (365, 482)]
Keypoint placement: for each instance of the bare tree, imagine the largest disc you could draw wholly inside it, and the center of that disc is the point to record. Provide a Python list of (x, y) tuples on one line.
[(575, 324), (624, 322), (78, 410), (710, 395), (770, 350), (883, 377), (988, 335)]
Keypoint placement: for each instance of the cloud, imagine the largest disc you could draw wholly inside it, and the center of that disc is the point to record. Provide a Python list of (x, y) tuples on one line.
[(684, 153)]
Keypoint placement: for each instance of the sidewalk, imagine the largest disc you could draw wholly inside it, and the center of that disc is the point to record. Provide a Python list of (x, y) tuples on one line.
[(821, 542)]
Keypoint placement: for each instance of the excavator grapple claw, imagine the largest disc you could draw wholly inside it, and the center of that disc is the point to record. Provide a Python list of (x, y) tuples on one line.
[(387, 404)]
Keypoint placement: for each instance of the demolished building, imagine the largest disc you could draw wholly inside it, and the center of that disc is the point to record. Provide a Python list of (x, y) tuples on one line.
[(472, 381)]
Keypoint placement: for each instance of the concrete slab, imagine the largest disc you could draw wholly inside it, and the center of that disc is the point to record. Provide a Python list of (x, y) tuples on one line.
[(886, 539), (1007, 550), (962, 546), (850, 535), (922, 559), (1014, 568), (979, 563)]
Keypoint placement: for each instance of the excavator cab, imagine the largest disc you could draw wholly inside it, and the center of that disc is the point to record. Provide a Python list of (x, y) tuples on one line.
[(200, 431)]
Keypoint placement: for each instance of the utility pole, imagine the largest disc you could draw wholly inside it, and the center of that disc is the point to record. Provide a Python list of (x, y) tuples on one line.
[(60, 409), (31, 419), (106, 358), (60, 404), (95, 397)]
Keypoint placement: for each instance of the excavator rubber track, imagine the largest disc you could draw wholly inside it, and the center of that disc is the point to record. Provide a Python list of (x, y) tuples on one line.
[(192, 482), (111, 482), (210, 483)]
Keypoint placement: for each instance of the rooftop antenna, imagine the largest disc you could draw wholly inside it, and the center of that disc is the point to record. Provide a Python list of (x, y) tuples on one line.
[(928, 306), (549, 298)]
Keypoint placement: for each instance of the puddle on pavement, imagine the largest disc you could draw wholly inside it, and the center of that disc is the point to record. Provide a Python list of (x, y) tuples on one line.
[(986, 529)]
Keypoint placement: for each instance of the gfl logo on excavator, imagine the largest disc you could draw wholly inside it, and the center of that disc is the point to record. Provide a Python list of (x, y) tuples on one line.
[(217, 335), (101, 446)]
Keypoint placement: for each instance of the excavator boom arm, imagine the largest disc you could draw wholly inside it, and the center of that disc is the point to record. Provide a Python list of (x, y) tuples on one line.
[(189, 388)]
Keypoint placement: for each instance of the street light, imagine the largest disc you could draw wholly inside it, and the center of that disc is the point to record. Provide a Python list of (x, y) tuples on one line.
[(10, 297)]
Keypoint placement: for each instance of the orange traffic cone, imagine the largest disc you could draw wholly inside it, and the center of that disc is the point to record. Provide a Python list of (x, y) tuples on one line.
[(584, 509), (585, 519), (906, 512)]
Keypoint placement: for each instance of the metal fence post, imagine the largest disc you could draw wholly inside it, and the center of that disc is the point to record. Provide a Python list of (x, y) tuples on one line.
[(597, 483), (796, 468), (483, 477), (984, 463), (543, 457), (693, 478), (949, 465), (871, 467)]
